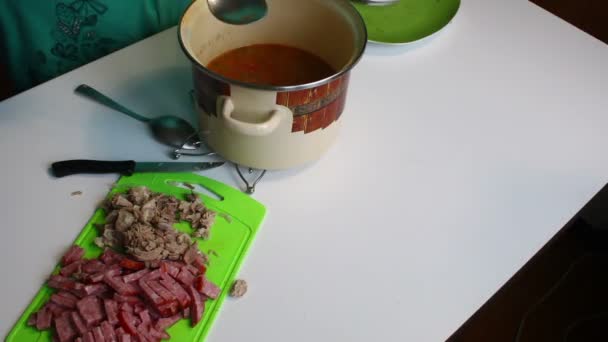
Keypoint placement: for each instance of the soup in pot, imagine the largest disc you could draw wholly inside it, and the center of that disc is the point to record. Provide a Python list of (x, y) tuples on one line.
[(271, 64)]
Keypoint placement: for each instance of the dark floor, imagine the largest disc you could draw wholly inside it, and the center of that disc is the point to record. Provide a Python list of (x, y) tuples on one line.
[(590, 16)]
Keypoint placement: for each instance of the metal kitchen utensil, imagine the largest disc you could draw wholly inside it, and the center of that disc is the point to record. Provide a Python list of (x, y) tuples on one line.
[(377, 2), (125, 167), (238, 12), (250, 187), (168, 129)]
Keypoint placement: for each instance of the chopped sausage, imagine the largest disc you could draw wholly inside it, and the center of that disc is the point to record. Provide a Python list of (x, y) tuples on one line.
[(197, 307), (64, 328), (90, 310), (79, 323), (73, 254), (111, 308), (108, 331)]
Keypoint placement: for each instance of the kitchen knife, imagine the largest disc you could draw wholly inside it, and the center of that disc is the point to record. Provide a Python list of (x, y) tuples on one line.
[(126, 167)]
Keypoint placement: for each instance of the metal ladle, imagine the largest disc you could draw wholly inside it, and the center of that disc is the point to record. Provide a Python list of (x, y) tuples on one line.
[(238, 12), (168, 129)]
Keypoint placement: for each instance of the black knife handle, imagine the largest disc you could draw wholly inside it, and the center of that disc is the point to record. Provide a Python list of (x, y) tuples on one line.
[(72, 167)]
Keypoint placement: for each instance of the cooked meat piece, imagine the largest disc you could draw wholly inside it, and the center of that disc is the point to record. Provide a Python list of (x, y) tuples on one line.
[(78, 322), (127, 322), (75, 267), (73, 254), (132, 264), (238, 289), (197, 307), (126, 299), (78, 339), (64, 299), (176, 289), (96, 289), (111, 308), (170, 267), (150, 294), (206, 287), (165, 323), (120, 286), (109, 257), (185, 277), (98, 334), (122, 335), (202, 233), (90, 310), (125, 220), (139, 195), (62, 283), (31, 321), (121, 200), (168, 309), (89, 337), (44, 318), (108, 331), (135, 276), (64, 328), (159, 334), (161, 291), (93, 266), (191, 254)]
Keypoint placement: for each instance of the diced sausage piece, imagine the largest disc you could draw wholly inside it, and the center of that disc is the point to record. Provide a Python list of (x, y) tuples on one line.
[(148, 292), (74, 253), (78, 339), (90, 309), (191, 254), (163, 292), (122, 336), (144, 315), (61, 283), (126, 307), (111, 307), (159, 334), (175, 288), (132, 264), (98, 334), (44, 318), (127, 299), (169, 268), (79, 323), (208, 288), (139, 307), (109, 257), (185, 277), (31, 321), (135, 276), (64, 299), (156, 274), (197, 307), (89, 337), (186, 313), (63, 327), (168, 309), (93, 266), (164, 323), (95, 289), (200, 264), (108, 331), (119, 286), (143, 334), (55, 309), (127, 322), (96, 277), (193, 270), (72, 268)]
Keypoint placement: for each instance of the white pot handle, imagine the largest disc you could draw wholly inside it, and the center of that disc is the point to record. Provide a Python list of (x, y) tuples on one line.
[(246, 128)]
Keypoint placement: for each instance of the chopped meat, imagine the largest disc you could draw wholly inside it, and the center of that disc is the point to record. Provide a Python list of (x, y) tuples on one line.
[(44, 318), (122, 335), (74, 253), (159, 334), (31, 321), (127, 322), (90, 310), (79, 323), (98, 334), (126, 299), (161, 291), (96, 277), (78, 339), (109, 257), (93, 266), (206, 287), (238, 289), (186, 313), (139, 195), (168, 309), (150, 294), (95, 289), (124, 220), (56, 310), (74, 267), (185, 277), (135, 276), (121, 200), (120, 286), (108, 331), (111, 307), (164, 323), (132, 264), (89, 337), (172, 268), (197, 307), (64, 328), (175, 288), (64, 299)]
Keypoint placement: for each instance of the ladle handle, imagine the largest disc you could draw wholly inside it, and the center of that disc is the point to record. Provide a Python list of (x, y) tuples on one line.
[(95, 95)]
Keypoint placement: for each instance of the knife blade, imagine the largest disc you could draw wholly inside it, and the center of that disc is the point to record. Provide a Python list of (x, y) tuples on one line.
[(125, 167)]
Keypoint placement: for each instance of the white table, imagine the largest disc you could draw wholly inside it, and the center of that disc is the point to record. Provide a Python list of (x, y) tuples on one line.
[(457, 161)]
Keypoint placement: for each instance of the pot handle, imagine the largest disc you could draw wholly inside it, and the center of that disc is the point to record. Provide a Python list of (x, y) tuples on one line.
[(251, 129)]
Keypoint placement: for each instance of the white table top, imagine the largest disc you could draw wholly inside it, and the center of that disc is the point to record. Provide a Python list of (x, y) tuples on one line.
[(457, 161)]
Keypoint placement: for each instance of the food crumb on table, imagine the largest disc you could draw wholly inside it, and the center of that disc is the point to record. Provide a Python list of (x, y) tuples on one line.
[(76, 193), (238, 289)]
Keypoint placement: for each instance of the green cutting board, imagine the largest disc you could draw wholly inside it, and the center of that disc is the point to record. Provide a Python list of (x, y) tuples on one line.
[(230, 238)]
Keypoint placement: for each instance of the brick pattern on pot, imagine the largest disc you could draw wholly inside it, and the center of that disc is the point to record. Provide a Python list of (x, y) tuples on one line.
[(316, 108)]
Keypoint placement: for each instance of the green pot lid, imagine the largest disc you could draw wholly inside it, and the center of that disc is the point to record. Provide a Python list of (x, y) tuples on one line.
[(407, 20)]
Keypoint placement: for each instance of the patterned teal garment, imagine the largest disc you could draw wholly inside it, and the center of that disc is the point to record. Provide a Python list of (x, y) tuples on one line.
[(40, 40)]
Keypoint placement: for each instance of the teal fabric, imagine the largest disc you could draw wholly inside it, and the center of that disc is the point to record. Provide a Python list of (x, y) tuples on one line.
[(40, 40)]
